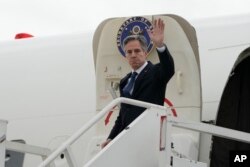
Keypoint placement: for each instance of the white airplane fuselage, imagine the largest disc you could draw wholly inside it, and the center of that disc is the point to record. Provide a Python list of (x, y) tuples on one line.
[(50, 86)]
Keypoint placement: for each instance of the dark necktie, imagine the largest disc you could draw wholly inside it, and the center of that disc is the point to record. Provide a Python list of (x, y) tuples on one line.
[(126, 90)]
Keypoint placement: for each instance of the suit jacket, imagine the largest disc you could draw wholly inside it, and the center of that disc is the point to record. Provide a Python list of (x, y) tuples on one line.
[(150, 86)]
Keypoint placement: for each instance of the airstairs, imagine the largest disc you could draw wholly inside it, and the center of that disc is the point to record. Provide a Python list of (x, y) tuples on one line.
[(146, 142)]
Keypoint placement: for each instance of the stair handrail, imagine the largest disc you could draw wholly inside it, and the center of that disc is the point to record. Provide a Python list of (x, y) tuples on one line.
[(64, 146)]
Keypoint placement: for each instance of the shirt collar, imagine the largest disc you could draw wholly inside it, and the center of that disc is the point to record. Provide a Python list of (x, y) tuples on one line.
[(138, 71)]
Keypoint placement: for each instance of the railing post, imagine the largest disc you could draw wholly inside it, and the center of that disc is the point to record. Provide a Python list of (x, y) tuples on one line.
[(165, 153), (3, 126), (169, 143)]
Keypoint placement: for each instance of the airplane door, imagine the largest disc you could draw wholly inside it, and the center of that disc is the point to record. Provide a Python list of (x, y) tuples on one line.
[(183, 90)]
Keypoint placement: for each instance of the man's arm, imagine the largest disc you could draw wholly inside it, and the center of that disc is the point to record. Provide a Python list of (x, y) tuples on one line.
[(166, 60), (116, 129), (114, 132), (166, 69)]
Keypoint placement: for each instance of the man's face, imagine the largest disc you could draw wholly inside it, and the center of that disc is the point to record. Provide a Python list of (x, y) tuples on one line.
[(134, 54)]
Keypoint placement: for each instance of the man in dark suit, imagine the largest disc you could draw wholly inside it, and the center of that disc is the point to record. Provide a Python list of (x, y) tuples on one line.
[(146, 82)]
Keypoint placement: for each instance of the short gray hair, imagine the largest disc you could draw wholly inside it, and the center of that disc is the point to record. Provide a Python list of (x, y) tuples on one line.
[(139, 38)]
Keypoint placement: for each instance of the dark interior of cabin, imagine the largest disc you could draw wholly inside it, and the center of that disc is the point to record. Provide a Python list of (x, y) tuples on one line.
[(233, 113)]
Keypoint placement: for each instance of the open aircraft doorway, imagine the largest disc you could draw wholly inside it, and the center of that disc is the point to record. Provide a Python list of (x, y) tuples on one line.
[(184, 89), (233, 111)]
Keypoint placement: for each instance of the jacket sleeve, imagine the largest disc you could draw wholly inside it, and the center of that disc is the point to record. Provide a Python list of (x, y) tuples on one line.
[(166, 65), (118, 123), (116, 128)]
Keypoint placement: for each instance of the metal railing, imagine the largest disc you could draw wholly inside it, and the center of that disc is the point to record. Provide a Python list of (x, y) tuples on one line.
[(3, 126), (30, 149), (18, 146), (199, 127), (169, 124), (65, 147)]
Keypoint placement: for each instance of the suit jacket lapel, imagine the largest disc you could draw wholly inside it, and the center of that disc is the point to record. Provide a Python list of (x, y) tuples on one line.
[(141, 76)]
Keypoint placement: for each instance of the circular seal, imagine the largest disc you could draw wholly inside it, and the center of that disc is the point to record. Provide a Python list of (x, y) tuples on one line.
[(134, 26)]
